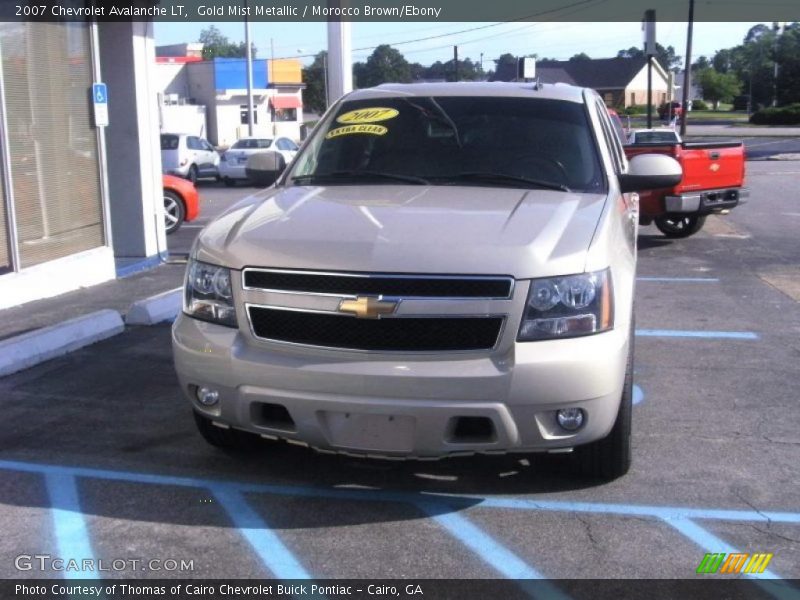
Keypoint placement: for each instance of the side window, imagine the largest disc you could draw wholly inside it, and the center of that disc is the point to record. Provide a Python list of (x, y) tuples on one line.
[(192, 143), (207, 146), (611, 138)]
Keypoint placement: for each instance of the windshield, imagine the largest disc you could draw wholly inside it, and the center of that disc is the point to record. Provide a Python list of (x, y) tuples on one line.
[(448, 140), (251, 144), (653, 137)]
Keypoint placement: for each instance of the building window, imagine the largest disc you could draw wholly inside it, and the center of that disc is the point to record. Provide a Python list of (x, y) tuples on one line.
[(51, 141), (243, 114), (285, 114), (633, 98)]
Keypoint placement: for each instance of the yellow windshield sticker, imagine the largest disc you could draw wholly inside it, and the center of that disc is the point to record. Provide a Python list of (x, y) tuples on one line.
[(367, 115), (354, 129)]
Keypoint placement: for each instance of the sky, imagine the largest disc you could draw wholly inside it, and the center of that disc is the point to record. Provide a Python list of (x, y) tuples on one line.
[(551, 40)]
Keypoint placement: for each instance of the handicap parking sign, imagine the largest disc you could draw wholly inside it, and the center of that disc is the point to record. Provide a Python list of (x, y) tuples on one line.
[(100, 102)]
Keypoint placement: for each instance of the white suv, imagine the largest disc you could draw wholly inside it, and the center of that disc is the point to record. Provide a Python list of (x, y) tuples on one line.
[(188, 156), (443, 269)]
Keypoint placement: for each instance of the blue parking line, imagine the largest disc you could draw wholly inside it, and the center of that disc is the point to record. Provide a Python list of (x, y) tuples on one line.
[(492, 552), (72, 537), (680, 279), (682, 333), (485, 546), (711, 543), (454, 500), (267, 545), (638, 395)]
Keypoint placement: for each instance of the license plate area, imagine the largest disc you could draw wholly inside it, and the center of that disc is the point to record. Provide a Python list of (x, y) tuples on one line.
[(369, 432)]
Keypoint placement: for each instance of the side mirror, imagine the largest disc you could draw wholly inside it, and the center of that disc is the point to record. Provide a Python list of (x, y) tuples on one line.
[(650, 172), (263, 168)]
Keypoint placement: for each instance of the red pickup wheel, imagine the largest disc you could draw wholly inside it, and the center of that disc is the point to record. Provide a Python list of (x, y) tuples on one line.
[(680, 227)]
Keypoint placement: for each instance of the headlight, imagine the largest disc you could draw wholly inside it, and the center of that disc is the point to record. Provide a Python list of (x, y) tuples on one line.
[(208, 294), (562, 307)]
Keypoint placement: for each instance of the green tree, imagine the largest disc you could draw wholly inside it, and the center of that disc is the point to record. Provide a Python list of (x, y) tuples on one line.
[(580, 56), (467, 70), (216, 45), (788, 58), (384, 65), (314, 78), (666, 57), (718, 87)]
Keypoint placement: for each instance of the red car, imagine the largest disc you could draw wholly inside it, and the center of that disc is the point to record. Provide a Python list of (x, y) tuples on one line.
[(181, 202)]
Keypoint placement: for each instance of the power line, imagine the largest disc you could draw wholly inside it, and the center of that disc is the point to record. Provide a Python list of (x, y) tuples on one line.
[(580, 3)]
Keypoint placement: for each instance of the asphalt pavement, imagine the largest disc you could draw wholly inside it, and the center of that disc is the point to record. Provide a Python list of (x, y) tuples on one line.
[(99, 456)]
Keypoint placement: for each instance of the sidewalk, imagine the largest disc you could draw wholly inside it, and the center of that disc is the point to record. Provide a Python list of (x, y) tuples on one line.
[(117, 295), (739, 131)]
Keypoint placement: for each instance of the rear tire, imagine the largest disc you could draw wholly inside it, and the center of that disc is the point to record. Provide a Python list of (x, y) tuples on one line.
[(229, 439), (174, 211), (610, 458), (192, 176), (680, 227)]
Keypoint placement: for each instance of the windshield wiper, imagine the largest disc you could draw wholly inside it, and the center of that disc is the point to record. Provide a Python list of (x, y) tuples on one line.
[(358, 174), (491, 176)]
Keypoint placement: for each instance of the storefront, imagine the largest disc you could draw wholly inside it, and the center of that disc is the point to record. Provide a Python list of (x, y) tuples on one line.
[(53, 215), (56, 208)]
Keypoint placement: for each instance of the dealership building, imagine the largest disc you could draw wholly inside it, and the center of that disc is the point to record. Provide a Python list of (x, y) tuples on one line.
[(80, 204)]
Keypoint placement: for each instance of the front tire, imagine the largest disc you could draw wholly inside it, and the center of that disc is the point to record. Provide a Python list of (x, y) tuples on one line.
[(680, 227), (192, 176), (610, 458), (174, 211), (229, 182)]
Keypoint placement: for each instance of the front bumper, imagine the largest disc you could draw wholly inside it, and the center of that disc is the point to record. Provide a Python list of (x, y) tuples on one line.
[(707, 201), (405, 406)]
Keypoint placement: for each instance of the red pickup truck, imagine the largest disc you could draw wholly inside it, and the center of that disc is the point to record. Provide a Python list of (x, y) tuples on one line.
[(713, 180)]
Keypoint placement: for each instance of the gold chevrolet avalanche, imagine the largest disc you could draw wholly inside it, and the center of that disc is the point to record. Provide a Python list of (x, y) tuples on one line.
[(443, 269)]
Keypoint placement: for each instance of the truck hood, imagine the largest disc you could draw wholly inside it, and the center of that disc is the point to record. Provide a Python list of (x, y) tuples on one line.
[(407, 229)]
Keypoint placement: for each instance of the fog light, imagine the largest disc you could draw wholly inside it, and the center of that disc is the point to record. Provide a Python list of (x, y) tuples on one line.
[(570, 419), (207, 396)]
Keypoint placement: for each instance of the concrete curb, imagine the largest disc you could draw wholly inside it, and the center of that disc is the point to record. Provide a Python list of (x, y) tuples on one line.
[(29, 349), (155, 309)]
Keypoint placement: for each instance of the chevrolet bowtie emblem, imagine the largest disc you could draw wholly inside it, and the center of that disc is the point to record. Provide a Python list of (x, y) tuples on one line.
[(368, 307), (714, 167)]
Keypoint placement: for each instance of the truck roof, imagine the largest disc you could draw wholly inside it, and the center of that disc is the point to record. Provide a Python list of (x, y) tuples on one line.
[(557, 91)]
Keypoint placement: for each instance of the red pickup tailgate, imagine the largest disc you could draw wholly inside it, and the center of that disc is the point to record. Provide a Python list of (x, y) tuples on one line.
[(708, 166)]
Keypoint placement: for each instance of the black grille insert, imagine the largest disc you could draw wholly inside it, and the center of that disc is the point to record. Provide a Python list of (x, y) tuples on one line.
[(386, 285), (404, 335)]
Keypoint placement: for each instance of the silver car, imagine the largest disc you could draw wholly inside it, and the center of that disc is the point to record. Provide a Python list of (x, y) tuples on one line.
[(188, 156), (443, 269)]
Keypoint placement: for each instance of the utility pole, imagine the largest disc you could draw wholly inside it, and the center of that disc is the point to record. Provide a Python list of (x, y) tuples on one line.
[(687, 70), (340, 56), (455, 60), (249, 61), (649, 27), (778, 30)]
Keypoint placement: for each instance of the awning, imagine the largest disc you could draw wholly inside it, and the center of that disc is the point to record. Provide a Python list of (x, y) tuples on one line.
[(285, 102)]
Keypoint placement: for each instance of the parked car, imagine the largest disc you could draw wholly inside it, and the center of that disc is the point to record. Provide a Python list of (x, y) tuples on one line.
[(654, 136), (444, 268), (233, 161), (181, 202), (712, 183), (188, 156)]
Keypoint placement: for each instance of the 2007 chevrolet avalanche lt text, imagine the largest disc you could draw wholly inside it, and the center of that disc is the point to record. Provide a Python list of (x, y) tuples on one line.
[(443, 269)]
